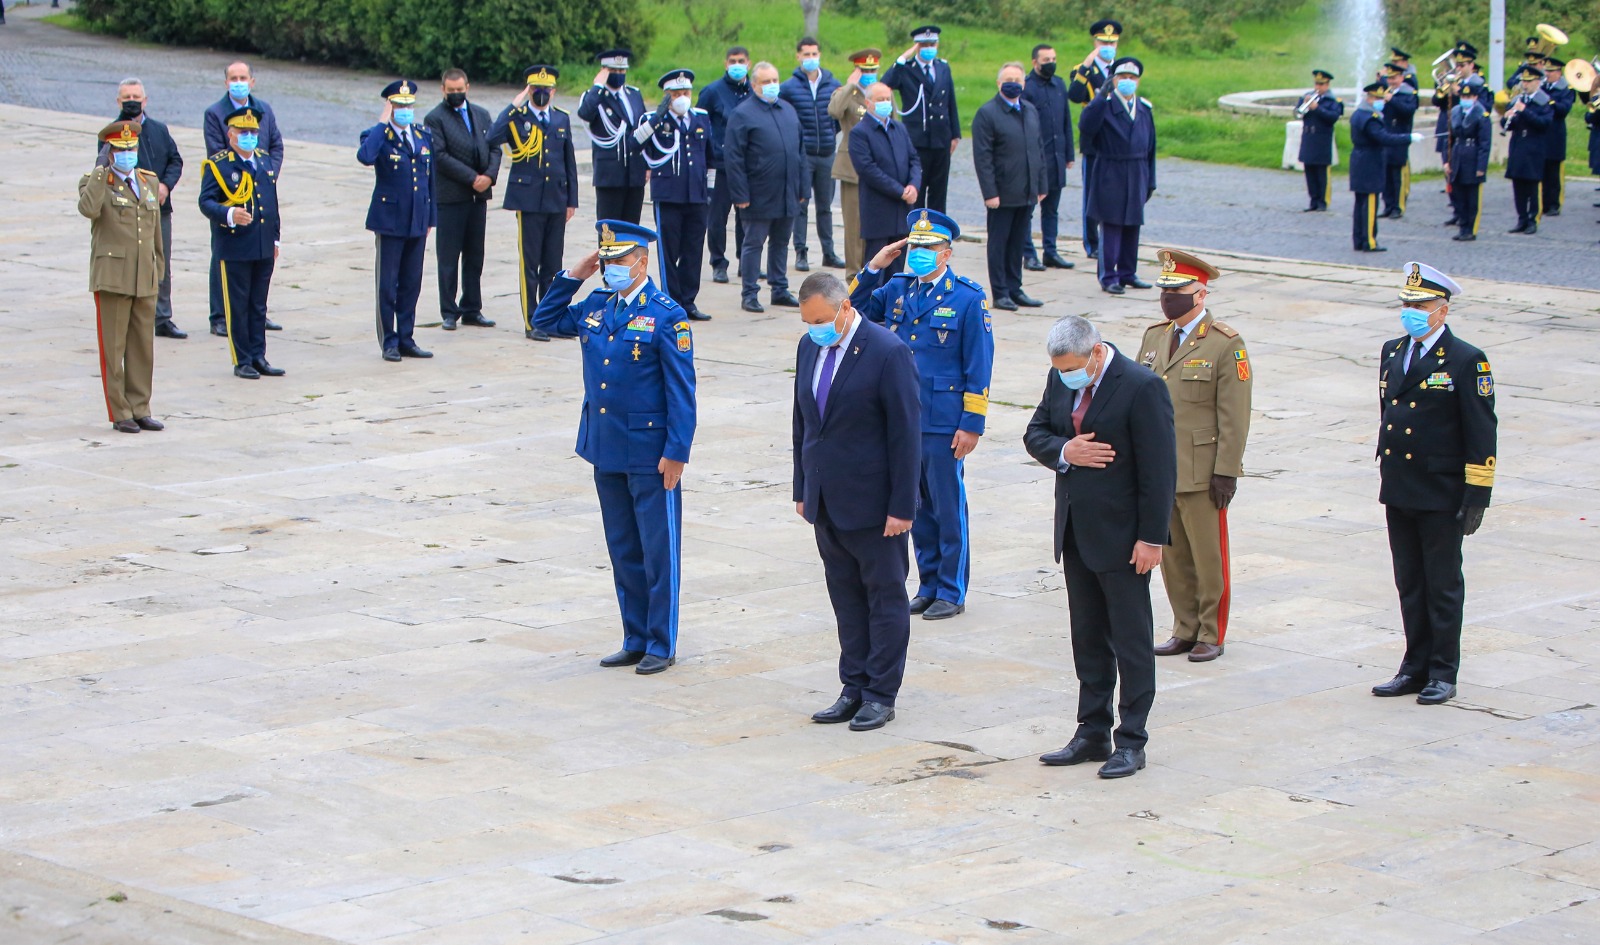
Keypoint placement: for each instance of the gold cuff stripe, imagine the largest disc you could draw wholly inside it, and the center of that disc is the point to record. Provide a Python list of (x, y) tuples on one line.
[(1480, 475), (975, 403)]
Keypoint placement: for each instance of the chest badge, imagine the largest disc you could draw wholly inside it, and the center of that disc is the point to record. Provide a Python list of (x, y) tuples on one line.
[(943, 335), (636, 351)]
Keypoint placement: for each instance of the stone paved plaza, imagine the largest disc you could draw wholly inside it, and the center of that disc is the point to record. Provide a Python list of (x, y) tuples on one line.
[(317, 664)]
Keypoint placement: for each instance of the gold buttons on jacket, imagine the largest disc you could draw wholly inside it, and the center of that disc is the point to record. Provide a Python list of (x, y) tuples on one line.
[(602, 410), (1385, 452), (1408, 456), (1389, 427), (1408, 431), (1413, 405)]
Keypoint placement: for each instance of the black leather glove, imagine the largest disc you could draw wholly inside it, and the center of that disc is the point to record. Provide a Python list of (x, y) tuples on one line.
[(1470, 517), (1222, 490)]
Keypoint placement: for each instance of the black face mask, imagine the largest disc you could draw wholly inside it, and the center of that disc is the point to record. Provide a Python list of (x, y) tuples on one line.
[(541, 97), (455, 99), (616, 80), (1175, 305), (1047, 70), (131, 110)]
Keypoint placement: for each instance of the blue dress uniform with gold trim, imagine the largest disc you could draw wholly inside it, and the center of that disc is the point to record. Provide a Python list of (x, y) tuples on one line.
[(244, 254), (638, 409), (678, 153), (1368, 141), (945, 322), (542, 186), (1471, 140), (1562, 98), (401, 214), (1316, 141), (1527, 120), (1436, 454)]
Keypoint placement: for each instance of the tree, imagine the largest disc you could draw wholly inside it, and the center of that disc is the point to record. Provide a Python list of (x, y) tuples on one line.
[(812, 10)]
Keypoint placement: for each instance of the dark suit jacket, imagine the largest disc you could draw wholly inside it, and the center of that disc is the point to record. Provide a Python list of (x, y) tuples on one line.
[(885, 162), (1008, 154), (158, 154), (762, 155), (216, 132), (862, 462), (459, 155), (1049, 96), (1131, 498)]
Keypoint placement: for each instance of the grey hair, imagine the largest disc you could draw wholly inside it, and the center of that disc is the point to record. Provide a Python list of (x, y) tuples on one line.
[(825, 284), (1074, 335), (763, 64), (130, 80), (1010, 65)]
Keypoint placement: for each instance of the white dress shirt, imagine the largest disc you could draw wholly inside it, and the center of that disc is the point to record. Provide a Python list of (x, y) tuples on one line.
[(844, 342), (1427, 344)]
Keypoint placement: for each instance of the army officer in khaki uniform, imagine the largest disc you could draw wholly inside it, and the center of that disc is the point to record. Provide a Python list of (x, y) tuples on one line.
[(126, 260), (847, 106), (1207, 372)]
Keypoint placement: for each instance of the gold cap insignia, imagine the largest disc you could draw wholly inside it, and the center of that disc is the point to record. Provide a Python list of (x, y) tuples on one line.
[(1415, 278), (542, 79), (1168, 264), (923, 224), (607, 238), (406, 89)]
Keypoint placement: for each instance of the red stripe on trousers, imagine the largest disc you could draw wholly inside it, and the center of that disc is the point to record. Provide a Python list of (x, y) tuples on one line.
[(1227, 582), (100, 339)]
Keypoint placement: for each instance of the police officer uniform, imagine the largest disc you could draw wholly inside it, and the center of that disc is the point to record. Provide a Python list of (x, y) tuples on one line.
[(928, 109), (1368, 139), (1471, 140), (1123, 134), (1085, 85), (614, 112), (1316, 142), (543, 186), (1527, 119), (638, 410), (1399, 112), (400, 214), (678, 153), (847, 107), (244, 254), (945, 321), (1207, 371), (126, 262), (1436, 456), (1562, 98)]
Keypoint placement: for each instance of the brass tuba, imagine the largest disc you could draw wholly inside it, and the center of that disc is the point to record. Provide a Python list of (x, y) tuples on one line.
[(1580, 75), (1444, 69), (1549, 39)]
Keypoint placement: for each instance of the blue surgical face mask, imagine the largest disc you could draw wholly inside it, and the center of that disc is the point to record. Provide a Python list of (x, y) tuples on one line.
[(867, 78), (239, 90), (928, 53), (738, 71), (1415, 322), (125, 161), (827, 334), (922, 261), (618, 276), (1077, 379), (769, 91), (811, 65), (404, 116), (247, 143), (883, 109), (1378, 105), (1107, 54), (1126, 87)]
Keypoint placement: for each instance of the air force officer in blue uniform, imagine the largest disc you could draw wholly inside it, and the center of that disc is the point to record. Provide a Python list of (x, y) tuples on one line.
[(402, 214), (239, 195), (637, 426), (678, 151), (944, 319)]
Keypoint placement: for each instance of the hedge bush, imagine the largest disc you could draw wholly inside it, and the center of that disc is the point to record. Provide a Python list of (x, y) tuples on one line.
[(494, 40)]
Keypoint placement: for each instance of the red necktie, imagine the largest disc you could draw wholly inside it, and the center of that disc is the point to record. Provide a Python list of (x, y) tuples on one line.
[(1081, 409)]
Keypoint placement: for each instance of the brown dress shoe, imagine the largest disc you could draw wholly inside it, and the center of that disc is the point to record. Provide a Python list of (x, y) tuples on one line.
[(1204, 652), (1174, 646)]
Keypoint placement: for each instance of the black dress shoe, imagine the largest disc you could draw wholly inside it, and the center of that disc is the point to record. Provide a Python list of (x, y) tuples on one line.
[(221, 331), (1115, 289), (1311, 209), (536, 334), (943, 610), (476, 320), (267, 370), (1532, 229), (1092, 253), (622, 658), (1464, 237), (832, 261), (247, 372), (1554, 212), (841, 711), (390, 354), (1436, 692), (1400, 685), (125, 426), (1453, 221), (1054, 261), (652, 664), (719, 275), (273, 326), (1004, 304), (920, 604), (1519, 228), (448, 324), (1125, 762), (1022, 298), (751, 305), (149, 423), (168, 330), (1376, 249), (785, 299), (1076, 752), (412, 351), (1137, 283), (871, 715), (1032, 264), (801, 263)]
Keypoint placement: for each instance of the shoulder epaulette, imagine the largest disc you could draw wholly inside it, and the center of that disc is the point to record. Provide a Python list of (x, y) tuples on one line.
[(665, 299), (224, 153), (558, 108), (1224, 330), (968, 282), (698, 111), (1146, 102)]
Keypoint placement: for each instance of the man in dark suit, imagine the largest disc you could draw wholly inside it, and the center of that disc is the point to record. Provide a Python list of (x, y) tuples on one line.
[(1011, 175), (1319, 111), (158, 154), (401, 214), (1105, 426), (241, 93), (928, 100), (1122, 130), (888, 174), (763, 156), (719, 99), (856, 460), (614, 110), (467, 167), (1048, 93)]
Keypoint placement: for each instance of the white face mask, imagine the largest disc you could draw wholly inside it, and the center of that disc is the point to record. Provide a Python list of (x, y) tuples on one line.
[(680, 105)]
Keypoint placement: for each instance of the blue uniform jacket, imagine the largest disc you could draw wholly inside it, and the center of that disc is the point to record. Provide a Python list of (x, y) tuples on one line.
[(1561, 100), (719, 99), (402, 191), (1368, 138), (885, 162), (931, 115), (817, 128), (638, 374), (1592, 119), (679, 160), (1398, 114), (1316, 131), (256, 239), (946, 325), (1049, 96), (612, 118), (547, 182), (1437, 428), (1471, 138), (1124, 151), (762, 158), (1528, 130)]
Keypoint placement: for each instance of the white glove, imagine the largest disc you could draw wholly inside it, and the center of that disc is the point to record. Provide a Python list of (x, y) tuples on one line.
[(1416, 137)]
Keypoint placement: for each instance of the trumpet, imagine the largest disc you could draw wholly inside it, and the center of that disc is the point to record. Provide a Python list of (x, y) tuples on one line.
[(1308, 102), (1444, 70)]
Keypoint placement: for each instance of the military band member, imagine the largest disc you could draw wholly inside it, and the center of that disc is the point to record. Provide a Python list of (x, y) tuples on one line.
[(1562, 98), (1436, 457), (1591, 118), (126, 260), (401, 215), (928, 110), (1207, 372), (1471, 140), (1447, 95), (1527, 120), (1087, 80), (847, 107), (542, 188), (678, 153), (1402, 59), (1399, 111), (1122, 130), (636, 430), (1368, 139), (614, 109), (1319, 111), (239, 195), (944, 318)]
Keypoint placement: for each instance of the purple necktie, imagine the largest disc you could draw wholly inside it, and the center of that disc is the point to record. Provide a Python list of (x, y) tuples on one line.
[(826, 381)]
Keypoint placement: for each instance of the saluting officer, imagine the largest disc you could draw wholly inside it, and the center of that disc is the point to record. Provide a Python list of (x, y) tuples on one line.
[(239, 195), (1207, 371), (402, 212), (944, 319), (637, 426), (614, 110), (1087, 80), (543, 185), (1368, 139), (1436, 456), (1471, 140), (1399, 112), (1316, 137), (1527, 119), (848, 106), (928, 109), (679, 155), (1562, 98), (1119, 125)]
